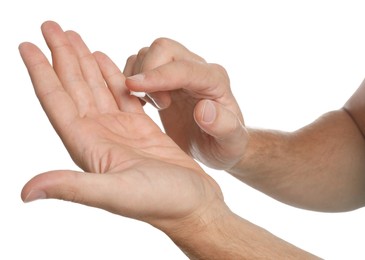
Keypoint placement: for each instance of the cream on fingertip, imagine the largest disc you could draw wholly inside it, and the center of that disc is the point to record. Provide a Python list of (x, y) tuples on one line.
[(138, 94)]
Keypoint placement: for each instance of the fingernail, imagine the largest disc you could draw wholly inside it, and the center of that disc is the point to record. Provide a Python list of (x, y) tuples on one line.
[(137, 77), (35, 195), (209, 112)]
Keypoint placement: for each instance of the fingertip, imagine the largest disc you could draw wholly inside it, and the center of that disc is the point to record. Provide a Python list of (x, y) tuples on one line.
[(136, 83), (20, 46), (99, 53), (205, 112), (217, 121), (138, 78), (209, 112), (49, 23), (72, 34), (23, 46), (101, 57), (49, 28), (34, 195), (32, 191), (47, 185)]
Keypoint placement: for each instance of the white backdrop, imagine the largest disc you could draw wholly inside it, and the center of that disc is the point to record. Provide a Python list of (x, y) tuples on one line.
[(289, 62)]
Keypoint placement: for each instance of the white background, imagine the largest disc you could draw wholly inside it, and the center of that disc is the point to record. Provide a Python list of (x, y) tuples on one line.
[(289, 62)]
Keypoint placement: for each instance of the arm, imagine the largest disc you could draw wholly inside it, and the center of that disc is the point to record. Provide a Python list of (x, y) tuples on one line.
[(319, 167), (231, 237)]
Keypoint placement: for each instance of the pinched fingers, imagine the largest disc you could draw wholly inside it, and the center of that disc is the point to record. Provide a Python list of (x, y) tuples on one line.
[(162, 51)]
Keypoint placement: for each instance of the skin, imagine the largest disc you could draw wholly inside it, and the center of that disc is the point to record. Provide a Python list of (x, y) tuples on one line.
[(183, 84), (318, 167), (133, 169)]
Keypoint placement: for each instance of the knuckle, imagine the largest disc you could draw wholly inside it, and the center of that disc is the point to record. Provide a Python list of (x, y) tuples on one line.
[(142, 52), (162, 43), (70, 195), (131, 58), (221, 74)]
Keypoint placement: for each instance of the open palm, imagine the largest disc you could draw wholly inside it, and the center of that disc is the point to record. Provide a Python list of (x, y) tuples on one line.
[(135, 170)]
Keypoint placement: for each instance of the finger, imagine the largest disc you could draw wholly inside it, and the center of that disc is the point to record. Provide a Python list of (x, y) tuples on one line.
[(128, 71), (204, 80), (91, 72), (163, 51), (221, 123), (67, 67), (144, 97), (116, 82), (97, 190), (137, 68), (56, 102), (128, 68)]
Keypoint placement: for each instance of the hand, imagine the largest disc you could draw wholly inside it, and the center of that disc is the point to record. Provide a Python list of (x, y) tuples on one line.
[(134, 169), (197, 107)]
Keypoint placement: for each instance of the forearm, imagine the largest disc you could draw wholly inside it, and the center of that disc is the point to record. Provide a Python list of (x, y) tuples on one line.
[(232, 237), (320, 166)]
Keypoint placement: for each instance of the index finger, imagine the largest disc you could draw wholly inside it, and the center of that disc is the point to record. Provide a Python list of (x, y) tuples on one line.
[(203, 80)]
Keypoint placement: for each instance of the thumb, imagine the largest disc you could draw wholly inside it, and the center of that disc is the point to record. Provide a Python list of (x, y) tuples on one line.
[(220, 123), (90, 189)]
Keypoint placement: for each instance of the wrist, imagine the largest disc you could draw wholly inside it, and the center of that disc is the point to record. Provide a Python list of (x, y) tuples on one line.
[(243, 162), (228, 236), (198, 233), (263, 149)]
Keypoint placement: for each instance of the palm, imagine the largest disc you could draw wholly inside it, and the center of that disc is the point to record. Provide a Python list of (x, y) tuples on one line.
[(146, 175), (109, 141)]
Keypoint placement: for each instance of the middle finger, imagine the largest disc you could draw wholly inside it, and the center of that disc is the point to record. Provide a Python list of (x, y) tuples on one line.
[(67, 67)]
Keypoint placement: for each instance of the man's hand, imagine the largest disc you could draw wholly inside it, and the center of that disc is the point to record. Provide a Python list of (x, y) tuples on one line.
[(197, 108), (134, 169)]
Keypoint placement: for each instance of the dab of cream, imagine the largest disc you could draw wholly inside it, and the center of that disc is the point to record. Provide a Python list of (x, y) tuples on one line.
[(138, 94)]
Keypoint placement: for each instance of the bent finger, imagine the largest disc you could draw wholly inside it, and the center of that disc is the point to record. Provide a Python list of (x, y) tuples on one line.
[(205, 80), (163, 51)]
